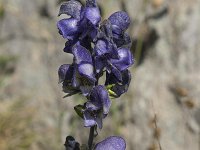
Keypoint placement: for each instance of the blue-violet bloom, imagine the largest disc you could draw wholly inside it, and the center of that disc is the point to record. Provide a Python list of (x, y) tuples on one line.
[(115, 87), (111, 143), (97, 107), (80, 75), (83, 22)]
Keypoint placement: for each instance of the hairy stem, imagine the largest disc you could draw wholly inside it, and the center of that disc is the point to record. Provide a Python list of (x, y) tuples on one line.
[(91, 137)]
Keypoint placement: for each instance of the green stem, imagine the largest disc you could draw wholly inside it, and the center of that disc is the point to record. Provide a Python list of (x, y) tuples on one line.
[(138, 51), (91, 137)]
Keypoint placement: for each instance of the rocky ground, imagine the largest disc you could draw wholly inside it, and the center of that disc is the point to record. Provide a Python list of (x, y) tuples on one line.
[(161, 109)]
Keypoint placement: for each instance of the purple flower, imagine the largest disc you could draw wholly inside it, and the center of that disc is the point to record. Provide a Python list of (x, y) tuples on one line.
[(104, 45), (71, 144), (114, 29), (120, 22), (97, 107), (111, 143), (115, 66), (65, 74), (80, 75), (112, 45), (117, 88), (125, 59), (83, 22)]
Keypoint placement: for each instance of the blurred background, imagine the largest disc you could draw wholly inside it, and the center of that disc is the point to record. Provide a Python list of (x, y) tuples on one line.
[(161, 107)]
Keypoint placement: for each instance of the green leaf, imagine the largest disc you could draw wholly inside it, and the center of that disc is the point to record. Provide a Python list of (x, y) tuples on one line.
[(79, 110), (109, 86), (111, 93)]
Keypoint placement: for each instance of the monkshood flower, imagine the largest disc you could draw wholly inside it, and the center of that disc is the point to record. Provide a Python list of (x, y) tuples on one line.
[(111, 50), (66, 73), (71, 144), (97, 107), (114, 28), (78, 76), (117, 88), (111, 143), (120, 22), (115, 66), (82, 25)]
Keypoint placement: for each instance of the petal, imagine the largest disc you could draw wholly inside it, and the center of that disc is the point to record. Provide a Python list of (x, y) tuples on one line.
[(67, 88), (122, 40), (93, 15), (111, 143), (86, 70), (116, 72), (126, 77), (111, 79), (99, 122), (76, 81), (101, 47), (93, 32), (62, 71), (120, 20), (125, 59), (106, 28), (89, 22), (66, 75), (99, 97), (113, 53), (105, 47), (91, 107), (71, 8), (117, 30), (81, 54), (85, 42), (69, 45), (85, 89), (68, 28), (119, 90), (99, 64), (89, 120)]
